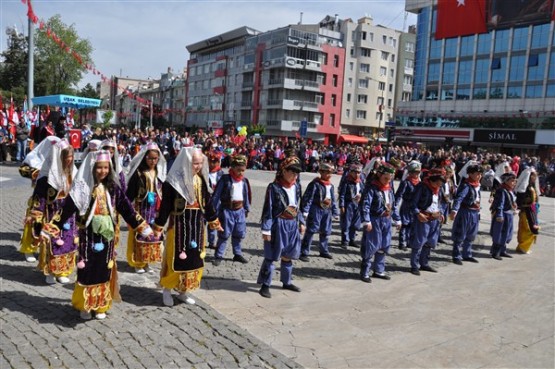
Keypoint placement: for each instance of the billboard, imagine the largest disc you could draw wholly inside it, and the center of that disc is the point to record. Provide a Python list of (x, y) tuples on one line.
[(467, 17), (507, 14)]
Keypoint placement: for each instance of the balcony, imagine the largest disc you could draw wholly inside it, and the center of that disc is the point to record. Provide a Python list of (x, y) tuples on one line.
[(220, 73), (288, 125), (409, 71)]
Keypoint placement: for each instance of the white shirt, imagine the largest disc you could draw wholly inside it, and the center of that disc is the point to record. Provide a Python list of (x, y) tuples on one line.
[(291, 195), (328, 192), (434, 206), (237, 191)]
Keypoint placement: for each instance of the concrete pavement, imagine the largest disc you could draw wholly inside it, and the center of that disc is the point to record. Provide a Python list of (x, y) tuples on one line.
[(491, 314)]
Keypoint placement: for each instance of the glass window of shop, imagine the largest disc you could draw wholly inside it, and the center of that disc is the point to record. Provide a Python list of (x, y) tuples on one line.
[(534, 91), (514, 92), (550, 92), (497, 92), (479, 93)]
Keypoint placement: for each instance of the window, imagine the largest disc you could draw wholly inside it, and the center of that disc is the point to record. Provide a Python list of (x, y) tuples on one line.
[(381, 86), (332, 120), (482, 71), (392, 42), (365, 52), (333, 99), (389, 103), (363, 83), (409, 63), (520, 38), (383, 71), (409, 47), (393, 58), (484, 44), (363, 35), (391, 87), (498, 66), (384, 40), (448, 77), (379, 101), (536, 67), (335, 61), (362, 99), (433, 72), (447, 94), (353, 52), (385, 55), (450, 47), (550, 92), (371, 37), (206, 68), (334, 80), (350, 82), (407, 80), (361, 114), (192, 71), (392, 73), (501, 41), (348, 97), (467, 46), (463, 94), (496, 92), (540, 35), (516, 70), (534, 91), (465, 72), (514, 92), (435, 49), (351, 66), (479, 93), (364, 67), (348, 113)]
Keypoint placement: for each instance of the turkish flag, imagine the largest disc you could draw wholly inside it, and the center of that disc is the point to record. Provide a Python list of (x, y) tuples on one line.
[(460, 18), (75, 138)]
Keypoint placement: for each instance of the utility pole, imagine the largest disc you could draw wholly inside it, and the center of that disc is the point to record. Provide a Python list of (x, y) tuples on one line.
[(151, 112), (30, 64)]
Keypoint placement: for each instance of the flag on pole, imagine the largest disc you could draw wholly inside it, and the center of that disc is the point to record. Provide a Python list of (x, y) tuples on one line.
[(460, 18)]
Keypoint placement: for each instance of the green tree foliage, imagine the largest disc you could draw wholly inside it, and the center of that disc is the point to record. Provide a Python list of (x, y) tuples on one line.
[(13, 69), (57, 71), (88, 91)]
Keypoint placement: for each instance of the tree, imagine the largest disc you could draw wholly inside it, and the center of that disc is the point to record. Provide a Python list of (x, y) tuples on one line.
[(57, 71), (13, 69), (88, 91)]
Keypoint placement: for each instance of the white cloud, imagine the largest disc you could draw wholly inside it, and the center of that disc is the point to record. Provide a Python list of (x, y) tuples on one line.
[(142, 38)]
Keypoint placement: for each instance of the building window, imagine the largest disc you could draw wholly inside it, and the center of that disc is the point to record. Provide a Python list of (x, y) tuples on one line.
[(391, 87), (336, 61), (409, 47), (467, 45), (348, 97), (371, 37), (351, 66), (348, 113), (516, 70), (450, 47), (332, 120), (498, 66), (501, 41), (384, 40), (362, 99), (446, 94), (389, 103), (463, 94), (540, 35), (392, 42), (393, 58), (550, 90), (385, 55), (514, 92), (533, 91), (484, 44), (383, 71), (448, 77), (496, 92), (435, 49), (465, 72), (365, 52), (433, 72), (536, 67), (353, 52), (381, 86), (363, 83), (480, 93), (482, 71), (407, 80), (334, 80), (365, 67), (409, 63), (333, 99), (361, 114), (350, 82), (392, 73), (520, 38), (363, 35), (551, 72)]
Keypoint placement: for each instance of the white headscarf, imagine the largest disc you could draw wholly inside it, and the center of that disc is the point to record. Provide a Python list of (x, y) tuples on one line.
[(92, 145), (524, 179), (84, 182), (35, 159), (53, 167), (369, 167), (500, 170), (161, 166), (180, 176), (464, 170), (112, 143)]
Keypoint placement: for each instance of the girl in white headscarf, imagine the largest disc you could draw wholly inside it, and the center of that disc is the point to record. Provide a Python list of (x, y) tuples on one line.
[(97, 198), (57, 258), (527, 192), (147, 173), (186, 202)]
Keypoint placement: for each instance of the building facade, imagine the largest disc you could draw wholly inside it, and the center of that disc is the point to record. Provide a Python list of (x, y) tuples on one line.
[(501, 75)]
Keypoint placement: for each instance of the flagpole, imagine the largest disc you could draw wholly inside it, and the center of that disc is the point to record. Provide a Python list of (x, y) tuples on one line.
[(31, 63)]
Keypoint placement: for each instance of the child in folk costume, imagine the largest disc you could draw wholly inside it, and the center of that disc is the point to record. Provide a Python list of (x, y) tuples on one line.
[(404, 196), (98, 198), (147, 173), (31, 167), (503, 209), (466, 212), (186, 203), (232, 200), (282, 226), (57, 258), (112, 147), (318, 207), (215, 172), (426, 206), (527, 192), (378, 214), (449, 190), (350, 192)]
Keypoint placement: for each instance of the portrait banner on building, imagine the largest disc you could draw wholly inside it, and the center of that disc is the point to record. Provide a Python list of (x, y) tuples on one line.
[(506, 14)]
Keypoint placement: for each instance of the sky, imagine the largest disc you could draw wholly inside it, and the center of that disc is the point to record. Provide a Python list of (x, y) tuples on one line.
[(142, 38)]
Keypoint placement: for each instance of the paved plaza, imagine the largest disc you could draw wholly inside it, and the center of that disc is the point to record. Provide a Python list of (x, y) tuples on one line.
[(495, 314)]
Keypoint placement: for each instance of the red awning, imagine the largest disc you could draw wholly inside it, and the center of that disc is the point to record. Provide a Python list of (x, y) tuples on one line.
[(352, 139)]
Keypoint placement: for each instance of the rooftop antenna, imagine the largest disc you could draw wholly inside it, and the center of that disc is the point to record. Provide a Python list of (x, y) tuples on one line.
[(301, 20)]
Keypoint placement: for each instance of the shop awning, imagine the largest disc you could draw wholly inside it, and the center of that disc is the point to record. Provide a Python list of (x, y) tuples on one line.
[(352, 139), (67, 101)]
